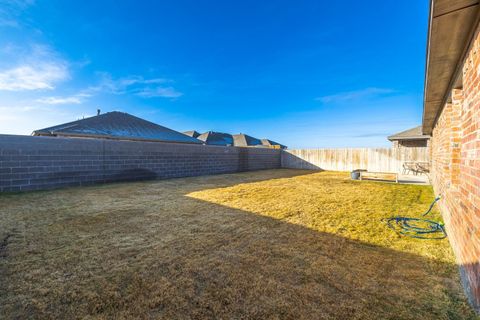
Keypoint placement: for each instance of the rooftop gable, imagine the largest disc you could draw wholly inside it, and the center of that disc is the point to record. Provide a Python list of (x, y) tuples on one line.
[(244, 140), (216, 138)]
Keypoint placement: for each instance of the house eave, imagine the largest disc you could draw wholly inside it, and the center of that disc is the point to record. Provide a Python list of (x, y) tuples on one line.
[(451, 28), (408, 138)]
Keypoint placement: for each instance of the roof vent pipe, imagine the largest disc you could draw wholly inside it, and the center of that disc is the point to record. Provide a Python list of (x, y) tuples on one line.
[(98, 112)]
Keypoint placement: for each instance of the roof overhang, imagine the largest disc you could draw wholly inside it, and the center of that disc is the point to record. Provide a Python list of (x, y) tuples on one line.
[(408, 138), (452, 25)]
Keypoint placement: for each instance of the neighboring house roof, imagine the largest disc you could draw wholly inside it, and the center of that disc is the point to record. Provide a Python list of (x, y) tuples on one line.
[(116, 125), (270, 143), (192, 133), (450, 30), (216, 138), (244, 140), (410, 134)]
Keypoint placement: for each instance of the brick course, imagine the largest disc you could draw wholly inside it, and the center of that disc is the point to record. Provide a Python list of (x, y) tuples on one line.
[(35, 163), (455, 154)]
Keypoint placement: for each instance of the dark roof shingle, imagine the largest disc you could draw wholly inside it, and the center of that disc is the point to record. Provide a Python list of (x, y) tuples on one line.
[(117, 125), (244, 140), (216, 138)]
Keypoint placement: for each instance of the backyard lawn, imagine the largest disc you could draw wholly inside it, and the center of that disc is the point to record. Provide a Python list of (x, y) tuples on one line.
[(275, 244)]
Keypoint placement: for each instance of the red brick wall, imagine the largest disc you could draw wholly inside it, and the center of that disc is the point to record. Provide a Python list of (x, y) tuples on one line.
[(455, 154)]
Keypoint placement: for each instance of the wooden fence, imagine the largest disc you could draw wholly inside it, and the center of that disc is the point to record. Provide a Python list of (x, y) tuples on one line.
[(372, 159)]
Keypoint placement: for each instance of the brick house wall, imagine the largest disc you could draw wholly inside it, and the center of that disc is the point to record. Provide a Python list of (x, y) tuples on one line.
[(35, 163), (455, 154)]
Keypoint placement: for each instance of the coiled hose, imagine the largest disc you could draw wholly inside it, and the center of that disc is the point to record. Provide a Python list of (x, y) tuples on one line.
[(417, 227)]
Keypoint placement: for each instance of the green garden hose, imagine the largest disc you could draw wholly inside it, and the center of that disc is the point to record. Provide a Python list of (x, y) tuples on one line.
[(417, 227)]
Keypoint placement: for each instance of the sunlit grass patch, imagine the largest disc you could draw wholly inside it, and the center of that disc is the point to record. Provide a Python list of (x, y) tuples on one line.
[(331, 202)]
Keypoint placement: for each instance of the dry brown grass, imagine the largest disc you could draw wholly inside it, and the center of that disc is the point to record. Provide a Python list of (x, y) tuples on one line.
[(279, 244)]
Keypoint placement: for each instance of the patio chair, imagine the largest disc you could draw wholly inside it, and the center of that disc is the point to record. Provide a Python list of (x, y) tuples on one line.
[(410, 166), (423, 167)]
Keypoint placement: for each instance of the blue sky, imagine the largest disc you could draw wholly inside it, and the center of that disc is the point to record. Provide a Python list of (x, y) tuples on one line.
[(304, 73)]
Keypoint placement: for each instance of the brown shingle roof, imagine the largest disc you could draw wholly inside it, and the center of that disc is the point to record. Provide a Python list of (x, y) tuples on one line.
[(410, 134)]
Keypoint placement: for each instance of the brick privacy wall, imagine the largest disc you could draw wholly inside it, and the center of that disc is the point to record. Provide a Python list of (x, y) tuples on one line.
[(455, 154), (36, 163)]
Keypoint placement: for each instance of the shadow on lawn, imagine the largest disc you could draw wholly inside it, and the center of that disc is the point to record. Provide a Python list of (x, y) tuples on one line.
[(182, 258)]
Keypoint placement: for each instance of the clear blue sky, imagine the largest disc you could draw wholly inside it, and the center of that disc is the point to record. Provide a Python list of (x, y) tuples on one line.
[(304, 73)]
